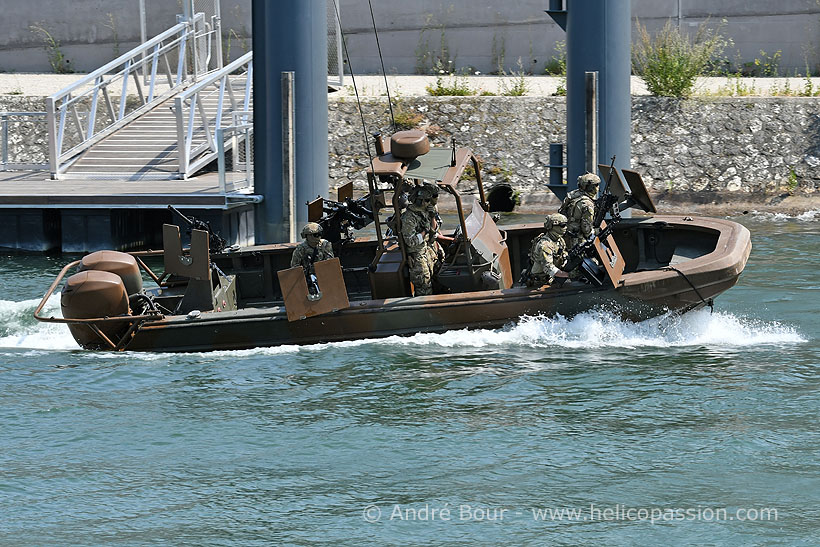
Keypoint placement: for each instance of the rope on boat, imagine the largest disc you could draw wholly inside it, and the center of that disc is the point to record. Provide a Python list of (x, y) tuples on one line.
[(710, 302)]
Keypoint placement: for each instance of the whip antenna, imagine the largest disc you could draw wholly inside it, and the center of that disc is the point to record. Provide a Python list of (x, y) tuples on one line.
[(384, 72), (355, 88)]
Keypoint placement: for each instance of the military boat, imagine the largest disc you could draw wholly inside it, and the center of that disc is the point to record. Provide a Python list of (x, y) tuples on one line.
[(210, 298)]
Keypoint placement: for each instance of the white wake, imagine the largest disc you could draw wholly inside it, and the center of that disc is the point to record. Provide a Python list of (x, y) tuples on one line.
[(19, 329), (594, 329)]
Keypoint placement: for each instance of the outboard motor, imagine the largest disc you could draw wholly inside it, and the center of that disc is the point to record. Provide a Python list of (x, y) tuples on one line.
[(122, 264), (100, 289)]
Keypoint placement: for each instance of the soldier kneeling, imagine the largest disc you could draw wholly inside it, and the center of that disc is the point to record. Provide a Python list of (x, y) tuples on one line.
[(548, 253)]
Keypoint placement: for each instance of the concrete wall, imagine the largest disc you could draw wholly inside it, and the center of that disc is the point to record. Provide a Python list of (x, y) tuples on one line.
[(726, 149), (734, 148), (474, 34), (93, 32)]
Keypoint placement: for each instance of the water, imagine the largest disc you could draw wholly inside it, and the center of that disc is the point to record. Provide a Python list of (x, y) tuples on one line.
[(695, 423)]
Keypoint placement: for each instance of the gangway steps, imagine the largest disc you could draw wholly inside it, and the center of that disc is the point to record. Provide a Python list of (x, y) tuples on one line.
[(148, 147)]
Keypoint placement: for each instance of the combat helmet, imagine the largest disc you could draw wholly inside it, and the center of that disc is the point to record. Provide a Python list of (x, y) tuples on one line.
[(556, 223), (311, 229), (588, 183), (421, 194)]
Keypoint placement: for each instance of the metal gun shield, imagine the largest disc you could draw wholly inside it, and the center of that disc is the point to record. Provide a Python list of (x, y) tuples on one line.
[(610, 257), (295, 291)]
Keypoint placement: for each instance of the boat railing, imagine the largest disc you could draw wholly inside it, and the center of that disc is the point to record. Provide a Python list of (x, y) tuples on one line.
[(12, 126), (76, 119), (95, 322)]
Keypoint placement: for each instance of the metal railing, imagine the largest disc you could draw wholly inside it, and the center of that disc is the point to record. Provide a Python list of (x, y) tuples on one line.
[(240, 138), (72, 114), (23, 123), (197, 133)]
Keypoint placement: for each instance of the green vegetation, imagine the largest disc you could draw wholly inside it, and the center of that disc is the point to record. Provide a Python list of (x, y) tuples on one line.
[(498, 53), (502, 173), (453, 85), (406, 119), (791, 182), (112, 24), (429, 60), (767, 65), (56, 58), (517, 85), (669, 62), (735, 87), (241, 37), (557, 66)]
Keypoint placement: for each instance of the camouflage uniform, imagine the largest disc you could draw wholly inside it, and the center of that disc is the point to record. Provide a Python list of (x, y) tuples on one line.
[(547, 256), (306, 254), (579, 208), (417, 232), (435, 230), (548, 252)]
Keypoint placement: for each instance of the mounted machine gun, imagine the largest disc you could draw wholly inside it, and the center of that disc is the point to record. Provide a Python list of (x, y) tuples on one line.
[(216, 243)]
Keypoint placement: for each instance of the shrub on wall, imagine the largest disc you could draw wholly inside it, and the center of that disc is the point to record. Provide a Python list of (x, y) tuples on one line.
[(670, 61)]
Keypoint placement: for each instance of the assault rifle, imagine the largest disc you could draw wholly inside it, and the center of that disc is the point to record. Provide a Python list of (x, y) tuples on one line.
[(605, 203), (216, 244), (310, 277), (340, 218)]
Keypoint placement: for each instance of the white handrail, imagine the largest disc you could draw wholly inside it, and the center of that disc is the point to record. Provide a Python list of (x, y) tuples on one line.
[(197, 135), (62, 108), (5, 164), (237, 135)]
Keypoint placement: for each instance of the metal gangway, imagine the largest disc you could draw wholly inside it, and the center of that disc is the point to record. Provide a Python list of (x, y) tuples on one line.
[(164, 110), (154, 112)]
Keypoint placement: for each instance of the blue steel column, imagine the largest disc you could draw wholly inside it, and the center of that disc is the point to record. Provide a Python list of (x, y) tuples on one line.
[(598, 39), (289, 35)]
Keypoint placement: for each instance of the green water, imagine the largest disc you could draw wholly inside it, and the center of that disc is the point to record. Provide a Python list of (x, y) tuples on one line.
[(706, 425)]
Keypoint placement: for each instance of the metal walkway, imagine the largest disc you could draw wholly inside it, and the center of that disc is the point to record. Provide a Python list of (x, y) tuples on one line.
[(155, 112), (149, 146)]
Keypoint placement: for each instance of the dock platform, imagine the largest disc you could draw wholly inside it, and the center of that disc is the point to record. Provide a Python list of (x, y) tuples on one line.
[(38, 214)]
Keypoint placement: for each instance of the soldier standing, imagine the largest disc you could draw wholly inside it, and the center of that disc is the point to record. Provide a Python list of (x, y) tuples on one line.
[(417, 232), (435, 226), (312, 249), (579, 208), (548, 253)]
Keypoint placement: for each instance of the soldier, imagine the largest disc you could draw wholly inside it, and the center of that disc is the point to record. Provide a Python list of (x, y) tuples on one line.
[(579, 208), (312, 249), (548, 253), (435, 226), (417, 232)]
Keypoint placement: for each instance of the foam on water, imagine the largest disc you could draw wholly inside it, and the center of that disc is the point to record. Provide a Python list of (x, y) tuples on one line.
[(597, 329), (594, 329), (19, 329), (591, 330), (808, 216)]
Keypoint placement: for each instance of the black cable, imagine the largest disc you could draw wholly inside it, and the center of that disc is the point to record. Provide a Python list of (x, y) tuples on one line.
[(355, 88), (384, 72), (709, 302)]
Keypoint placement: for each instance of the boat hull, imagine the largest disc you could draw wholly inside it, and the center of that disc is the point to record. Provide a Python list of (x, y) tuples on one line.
[(376, 319), (684, 286), (671, 264)]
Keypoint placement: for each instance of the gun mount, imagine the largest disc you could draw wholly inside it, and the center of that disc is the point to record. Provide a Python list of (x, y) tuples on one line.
[(216, 243), (338, 219)]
